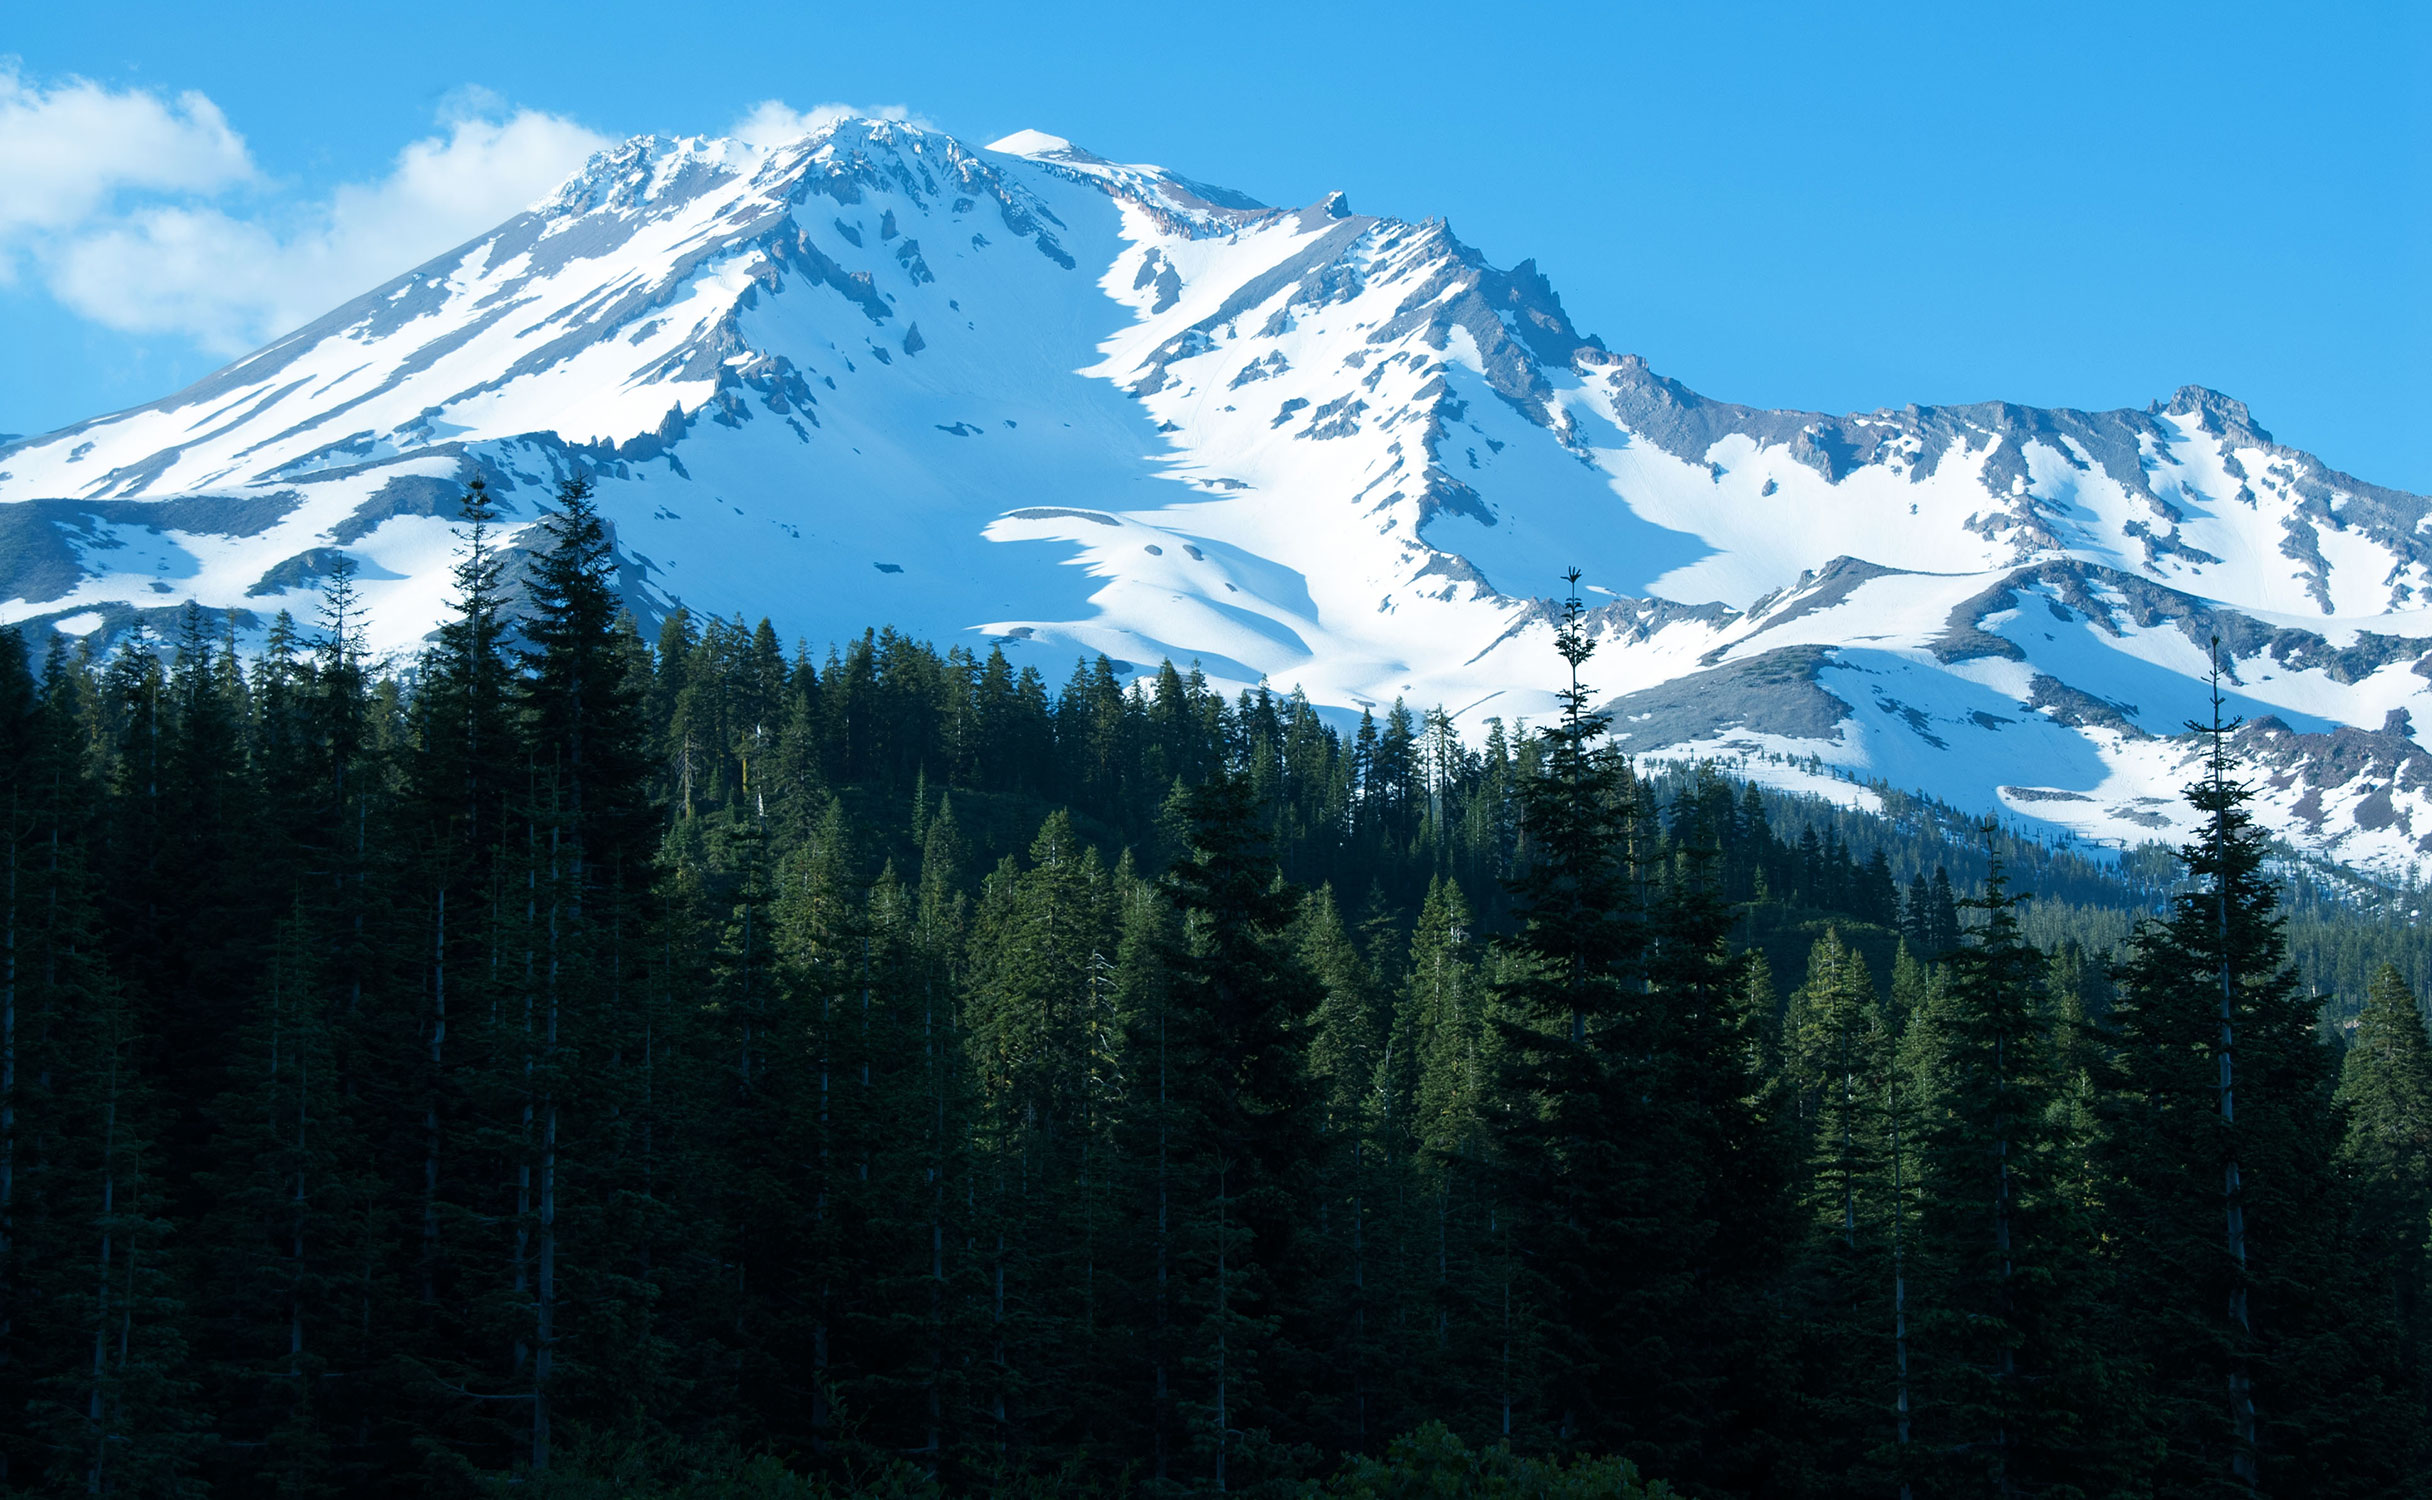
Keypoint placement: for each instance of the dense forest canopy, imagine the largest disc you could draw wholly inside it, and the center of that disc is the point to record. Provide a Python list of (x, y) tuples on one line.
[(577, 1063)]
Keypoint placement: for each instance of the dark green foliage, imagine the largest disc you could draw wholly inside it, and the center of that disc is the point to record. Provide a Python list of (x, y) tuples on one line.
[(99, 1350), (2257, 1351), (293, 1230), (583, 1066), (1852, 1105), (1433, 1461), (2008, 1388), (2386, 1088), (1570, 1140), (1637, 1149), (1239, 1139)]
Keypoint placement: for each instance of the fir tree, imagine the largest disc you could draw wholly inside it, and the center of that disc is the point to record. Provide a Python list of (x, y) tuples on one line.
[(1242, 1144), (1452, 1266), (1717, 1170), (1349, 1058), (2385, 1087), (1842, 1073), (2225, 1124), (110, 1394), (294, 1204), (2003, 1325), (590, 845), (1043, 1037), (1569, 1140), (689, 1125)]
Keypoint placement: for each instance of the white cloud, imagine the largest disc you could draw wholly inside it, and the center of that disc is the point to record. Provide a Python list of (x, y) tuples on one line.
[(72, 149), (773, 122), (120, 199), (120, 220)]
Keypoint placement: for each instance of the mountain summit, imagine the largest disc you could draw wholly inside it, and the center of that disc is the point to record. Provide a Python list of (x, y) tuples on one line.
[(1028, 396)]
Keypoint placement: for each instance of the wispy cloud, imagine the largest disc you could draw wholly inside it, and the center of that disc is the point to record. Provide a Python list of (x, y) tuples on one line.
[(119, 199), (773, 122), (75, 148)]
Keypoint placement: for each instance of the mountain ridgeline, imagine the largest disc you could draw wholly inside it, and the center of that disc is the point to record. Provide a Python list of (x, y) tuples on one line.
[(1024, 396), (584, 1064)]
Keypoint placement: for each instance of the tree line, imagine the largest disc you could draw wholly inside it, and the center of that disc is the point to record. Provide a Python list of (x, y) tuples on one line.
[(578, 1064)]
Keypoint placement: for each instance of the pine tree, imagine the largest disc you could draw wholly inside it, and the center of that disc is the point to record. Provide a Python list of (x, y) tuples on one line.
[(294, 1206), (591, 838), (1717, 1168), (937, 953), (210, 895), (2385, 1087), (110, 1389), (458, 782), (1043, 1036), (2225, 1124), (55, 971), (2078, 994), (810, 1133), (888, 1384), (1150, 1132), (1569, 1139), (1843, 1078), (21, 726), (1450, 1260), (1349, 1057), (1242, 1142), (2007, 1383)]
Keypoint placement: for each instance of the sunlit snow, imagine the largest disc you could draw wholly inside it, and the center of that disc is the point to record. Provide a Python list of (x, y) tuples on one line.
[(1031, 397)]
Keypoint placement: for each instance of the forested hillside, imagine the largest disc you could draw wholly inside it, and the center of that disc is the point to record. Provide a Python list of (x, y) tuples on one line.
[(580, 1064)]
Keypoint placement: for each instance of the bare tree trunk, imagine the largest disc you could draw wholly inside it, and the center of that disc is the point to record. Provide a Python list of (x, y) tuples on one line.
[(819, 1323), (523, 1159), (1359, 1306), (2007, 1362), (96, 1409), (1492, 1227), (1163, 1393), (2233, 1196), (934, 1045), (1223, 1236), (544, 1319), (436, 1053), (1900, 1289), (8, 1124), (299, 1201), (1443, 1259)]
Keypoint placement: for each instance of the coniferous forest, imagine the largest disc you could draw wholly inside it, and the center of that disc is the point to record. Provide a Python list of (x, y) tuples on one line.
[(570, 1063)]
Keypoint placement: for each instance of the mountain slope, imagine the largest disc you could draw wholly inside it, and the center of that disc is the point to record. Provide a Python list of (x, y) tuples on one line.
[(1030, 396)]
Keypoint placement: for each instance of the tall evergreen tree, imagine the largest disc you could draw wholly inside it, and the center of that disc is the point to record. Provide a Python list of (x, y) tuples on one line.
[(1572, 1050), (576, 1098), (1241, 1148), (591, 841), (458, 780), (1842, 1072), (1349, 1060), (1043, 1036), (291, 1239), (2385, 1086), (2225, 1125), (1717, 1180), (110, 1396), (2003, 1326)]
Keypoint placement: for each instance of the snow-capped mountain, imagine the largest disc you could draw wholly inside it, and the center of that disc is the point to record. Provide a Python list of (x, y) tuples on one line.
[(1026, 395)]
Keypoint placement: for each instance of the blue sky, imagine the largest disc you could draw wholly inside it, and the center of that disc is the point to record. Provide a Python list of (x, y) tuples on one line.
[(1828, 207)]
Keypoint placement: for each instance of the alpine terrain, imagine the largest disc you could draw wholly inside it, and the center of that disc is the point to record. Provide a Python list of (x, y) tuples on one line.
[(1022, 395)]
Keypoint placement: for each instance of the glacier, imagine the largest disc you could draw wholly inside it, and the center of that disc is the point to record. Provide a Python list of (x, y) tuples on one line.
[(1021, 395)]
